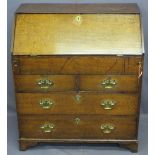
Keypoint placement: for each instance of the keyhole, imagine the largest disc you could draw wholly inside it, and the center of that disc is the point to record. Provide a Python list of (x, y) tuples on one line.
[(78, 18)]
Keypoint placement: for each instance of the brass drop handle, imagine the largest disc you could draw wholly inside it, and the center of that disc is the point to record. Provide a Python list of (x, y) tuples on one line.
[(108, 104), (107, 128), (46, 103), (45, 83), (47, 127), (109, 83)]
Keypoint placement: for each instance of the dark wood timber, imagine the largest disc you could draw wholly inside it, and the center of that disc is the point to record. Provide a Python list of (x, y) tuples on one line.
[(66, 103), (88, 127), (125, 83), (71, 109), (24, 145), (78, 8), (77, 64), (131, 146), (29, 83)]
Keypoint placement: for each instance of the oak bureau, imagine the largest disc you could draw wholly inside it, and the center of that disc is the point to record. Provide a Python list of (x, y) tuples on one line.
[(77, 73)]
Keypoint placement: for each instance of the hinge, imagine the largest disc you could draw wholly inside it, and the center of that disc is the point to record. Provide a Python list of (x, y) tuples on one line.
[(33, 55), (120, 55)]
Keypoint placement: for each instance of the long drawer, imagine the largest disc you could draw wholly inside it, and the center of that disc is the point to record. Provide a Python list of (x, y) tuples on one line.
[(77, 126), (77, 103), (76, 64), (48, 83)]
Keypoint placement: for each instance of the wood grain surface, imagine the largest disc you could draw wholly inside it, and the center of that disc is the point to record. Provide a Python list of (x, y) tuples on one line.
[(65, 127), (76, 64), (58, 34), (76, 48), (29, 83), (130, 8), (66, 103), (124, 83)]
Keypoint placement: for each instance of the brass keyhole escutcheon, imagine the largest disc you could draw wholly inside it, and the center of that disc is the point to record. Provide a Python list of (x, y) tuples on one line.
[(77, 120), (78, 98), (78, 20)]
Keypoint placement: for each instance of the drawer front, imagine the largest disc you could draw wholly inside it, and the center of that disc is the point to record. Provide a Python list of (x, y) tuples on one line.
[(68, 65), (82, 126), (33, 83), (113, 83), (73, 103)]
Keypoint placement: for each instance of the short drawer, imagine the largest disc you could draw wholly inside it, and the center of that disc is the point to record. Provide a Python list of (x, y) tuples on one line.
[(79, 126), (33, 83), (73, 103), (109, 83)]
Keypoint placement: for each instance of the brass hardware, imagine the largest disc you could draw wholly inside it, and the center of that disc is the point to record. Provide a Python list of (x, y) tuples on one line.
[(15, 62), (33, 55), (120, 55), (77, 120), (78, 18), (109, 83), (46, 103), (78, 98), (47, 127), (140, 72), (107, 128), (15, 65), (45, 83), (108, 104)]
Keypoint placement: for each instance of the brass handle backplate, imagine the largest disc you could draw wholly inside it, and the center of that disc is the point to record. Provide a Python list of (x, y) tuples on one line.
[(109, 83), (46, 103), (45, 83), (47, 127), (107, 128), (108, 104)]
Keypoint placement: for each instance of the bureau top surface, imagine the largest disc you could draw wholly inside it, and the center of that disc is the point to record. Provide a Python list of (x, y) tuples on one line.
[(68, 29), (79, 8)]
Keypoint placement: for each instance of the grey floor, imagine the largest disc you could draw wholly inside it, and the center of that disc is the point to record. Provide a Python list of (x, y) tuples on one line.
[(74, 149)]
